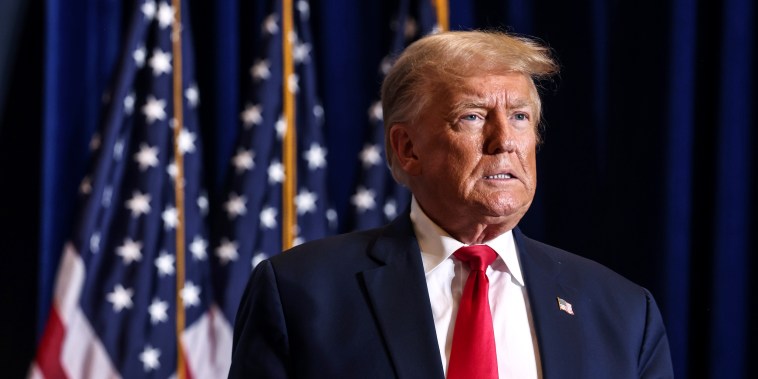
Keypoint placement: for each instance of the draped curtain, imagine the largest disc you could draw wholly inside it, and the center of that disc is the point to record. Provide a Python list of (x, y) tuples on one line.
[(647, 166)]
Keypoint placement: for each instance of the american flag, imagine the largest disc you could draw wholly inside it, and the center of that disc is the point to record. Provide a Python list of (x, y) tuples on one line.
[(250, 223), (565, 306), (378, 198), (114, 311)]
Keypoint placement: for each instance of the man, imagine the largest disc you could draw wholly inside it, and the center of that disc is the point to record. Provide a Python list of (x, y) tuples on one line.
[(461, 115)]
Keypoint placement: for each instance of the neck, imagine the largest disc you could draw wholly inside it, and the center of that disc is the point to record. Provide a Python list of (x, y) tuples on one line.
[(469, 229), (477, 234)]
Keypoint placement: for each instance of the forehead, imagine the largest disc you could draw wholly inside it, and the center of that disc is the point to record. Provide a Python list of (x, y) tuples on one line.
[(511, 90)]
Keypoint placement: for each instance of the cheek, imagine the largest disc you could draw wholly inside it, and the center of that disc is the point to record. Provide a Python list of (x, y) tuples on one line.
[(528, 158), (456, 155)]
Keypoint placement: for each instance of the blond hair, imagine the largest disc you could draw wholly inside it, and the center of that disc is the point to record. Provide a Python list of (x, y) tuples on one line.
[(450, 56)]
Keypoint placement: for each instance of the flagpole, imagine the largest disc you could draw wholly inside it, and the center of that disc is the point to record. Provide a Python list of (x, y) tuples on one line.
[(289, 158), (176, 43), (442, 14)]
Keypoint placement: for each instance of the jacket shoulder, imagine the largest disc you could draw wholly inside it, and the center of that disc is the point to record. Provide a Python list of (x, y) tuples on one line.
[(579, 271)]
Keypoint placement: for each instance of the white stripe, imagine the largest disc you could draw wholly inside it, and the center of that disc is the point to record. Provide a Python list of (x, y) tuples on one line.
[(82, 353), (208, 344), (68, 284), (34, 372)]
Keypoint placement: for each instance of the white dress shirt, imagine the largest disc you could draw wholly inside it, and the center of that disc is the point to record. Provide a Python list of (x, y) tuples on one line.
[(515, 340)]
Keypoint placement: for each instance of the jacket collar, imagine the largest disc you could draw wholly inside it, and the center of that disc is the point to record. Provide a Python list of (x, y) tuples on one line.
[(558, 331), (400, 300)]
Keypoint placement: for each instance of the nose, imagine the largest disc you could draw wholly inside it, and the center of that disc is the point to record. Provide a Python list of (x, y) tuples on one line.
[(498, 137)]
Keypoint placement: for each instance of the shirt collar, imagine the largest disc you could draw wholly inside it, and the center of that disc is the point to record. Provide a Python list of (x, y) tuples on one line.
[(437, 245)]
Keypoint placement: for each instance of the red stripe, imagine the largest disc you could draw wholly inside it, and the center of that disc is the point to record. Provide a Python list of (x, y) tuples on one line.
[(49, 351)]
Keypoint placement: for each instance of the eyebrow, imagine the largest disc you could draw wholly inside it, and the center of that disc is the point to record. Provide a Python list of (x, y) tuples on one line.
[(520, 103), (484, 103)]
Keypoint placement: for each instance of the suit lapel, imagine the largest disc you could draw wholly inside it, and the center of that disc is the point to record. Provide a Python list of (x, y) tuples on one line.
[(558, 332), (400, 301)]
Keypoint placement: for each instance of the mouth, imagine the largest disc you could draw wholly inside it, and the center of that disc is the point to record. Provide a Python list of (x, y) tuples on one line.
[(499, 176)]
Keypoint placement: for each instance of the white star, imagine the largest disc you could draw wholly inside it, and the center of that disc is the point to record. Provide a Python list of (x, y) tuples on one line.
[(160, 62), (107, 194), (172, 170), (260, 70), (251, 116), (331, 216), (139, 56), (235, 206), (190, 295), (198, 248), (304, 9), (370, 155), (298, 239), (305, 201), (130, 251), (411, 28), (120, 298), (202, 203), (363, 199), (258, 258), (85, 187), (170, 217), (148, 9), (316, 156), (129, 103), (292, 83), (149, 358), (390, 209), (269, 25), (318, 111), (165, 264), (157, 310), (268, 217), (147, 156), (118, 150), (281, 127), (139, 203), (95, 142), (301, 52), (243, 160), (275, 172), (165, 15), (192, 95), (375, 112), (292, 37), (227, 251), (186, 141), (94, 243), (154, 109), (386, 65)]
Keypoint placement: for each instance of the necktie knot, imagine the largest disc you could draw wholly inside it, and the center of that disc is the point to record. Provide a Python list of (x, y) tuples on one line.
[(478, 257)]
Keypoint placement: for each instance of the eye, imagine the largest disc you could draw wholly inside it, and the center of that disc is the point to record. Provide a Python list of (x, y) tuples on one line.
[(470, 121), (521, 117)]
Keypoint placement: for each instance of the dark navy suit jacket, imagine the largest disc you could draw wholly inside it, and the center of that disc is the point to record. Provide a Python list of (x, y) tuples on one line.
[(357, 306)]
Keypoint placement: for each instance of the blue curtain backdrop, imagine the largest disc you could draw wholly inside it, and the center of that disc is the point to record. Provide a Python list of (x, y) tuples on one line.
[(648, 164)]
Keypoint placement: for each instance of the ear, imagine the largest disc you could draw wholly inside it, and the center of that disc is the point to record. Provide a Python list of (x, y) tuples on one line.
[(401, 139)]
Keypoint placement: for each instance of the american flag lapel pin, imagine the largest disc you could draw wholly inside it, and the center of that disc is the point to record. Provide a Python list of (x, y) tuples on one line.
[(565, 306)]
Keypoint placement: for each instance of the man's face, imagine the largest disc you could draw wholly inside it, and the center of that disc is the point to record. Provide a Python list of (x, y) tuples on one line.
[(475, 146)]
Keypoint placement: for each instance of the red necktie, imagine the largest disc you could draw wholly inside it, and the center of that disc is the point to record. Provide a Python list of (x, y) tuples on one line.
[(473, 353)]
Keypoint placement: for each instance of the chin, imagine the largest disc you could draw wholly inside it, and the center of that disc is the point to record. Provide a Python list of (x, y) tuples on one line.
[(509, 209)]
